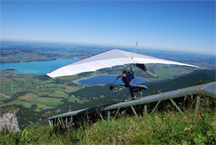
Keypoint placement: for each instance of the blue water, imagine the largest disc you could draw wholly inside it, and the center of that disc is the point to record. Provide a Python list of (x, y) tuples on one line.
[(44, 67), (37, 67), (106, 79)]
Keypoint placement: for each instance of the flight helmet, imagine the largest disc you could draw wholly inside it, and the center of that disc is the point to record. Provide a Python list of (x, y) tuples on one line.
[(124, 70)]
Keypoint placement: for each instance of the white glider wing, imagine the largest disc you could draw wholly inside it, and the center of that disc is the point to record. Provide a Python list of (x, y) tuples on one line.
[(108, 59)]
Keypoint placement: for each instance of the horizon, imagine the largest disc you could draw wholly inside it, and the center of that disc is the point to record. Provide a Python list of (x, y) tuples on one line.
[(113, 47), (167, 25)]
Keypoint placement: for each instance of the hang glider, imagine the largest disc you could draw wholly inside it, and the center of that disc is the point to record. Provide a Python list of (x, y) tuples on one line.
[(108, 59)]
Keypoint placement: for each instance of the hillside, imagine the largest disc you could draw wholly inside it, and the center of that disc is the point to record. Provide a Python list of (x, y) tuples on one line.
[(163, 86), (82, 97), (167, 127), (178, 83), (211, 73)]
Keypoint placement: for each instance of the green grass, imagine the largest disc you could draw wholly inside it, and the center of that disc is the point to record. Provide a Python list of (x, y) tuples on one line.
[(166, 128)]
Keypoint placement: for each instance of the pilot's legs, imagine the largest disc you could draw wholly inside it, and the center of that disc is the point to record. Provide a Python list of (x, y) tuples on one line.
[(132, 91)]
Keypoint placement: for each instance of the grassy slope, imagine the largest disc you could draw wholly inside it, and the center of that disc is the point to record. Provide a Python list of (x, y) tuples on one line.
[(166, 128)]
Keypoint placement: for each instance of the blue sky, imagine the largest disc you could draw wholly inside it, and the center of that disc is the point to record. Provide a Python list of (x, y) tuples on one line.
[(167, 25)]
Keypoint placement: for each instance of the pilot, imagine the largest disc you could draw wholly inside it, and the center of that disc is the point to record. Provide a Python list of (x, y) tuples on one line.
[(129, 80)]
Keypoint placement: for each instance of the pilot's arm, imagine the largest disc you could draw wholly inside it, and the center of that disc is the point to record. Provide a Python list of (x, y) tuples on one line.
[(121, 76)]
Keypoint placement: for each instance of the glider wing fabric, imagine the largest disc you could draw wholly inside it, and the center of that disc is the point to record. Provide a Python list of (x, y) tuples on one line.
[(108, 59)]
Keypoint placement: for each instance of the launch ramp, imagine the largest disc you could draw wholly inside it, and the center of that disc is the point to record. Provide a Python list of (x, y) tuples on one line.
[(141, 106)]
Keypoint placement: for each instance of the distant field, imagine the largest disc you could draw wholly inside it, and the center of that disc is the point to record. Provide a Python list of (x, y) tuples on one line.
[(18, 102), (10, 94), (47, 81), (42, 107), (5, 86), (72, 99), (58, 94), (38, 82), (25, 76), (1, 74), (26, 104), (42, 93), (29, 97), (60, 89), (48, 101), (41, 102), (3, 98), (19, 81), (5, 95), (31, 86), (35, 90), (73, 89), (19, 89), (28, 80), (45, 90), (50, 85)]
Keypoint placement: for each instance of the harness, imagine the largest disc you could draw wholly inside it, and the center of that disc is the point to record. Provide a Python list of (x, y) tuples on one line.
[(129, 79)]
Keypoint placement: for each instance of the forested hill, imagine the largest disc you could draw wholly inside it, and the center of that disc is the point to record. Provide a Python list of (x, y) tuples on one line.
[(178, 83), (210, 73)]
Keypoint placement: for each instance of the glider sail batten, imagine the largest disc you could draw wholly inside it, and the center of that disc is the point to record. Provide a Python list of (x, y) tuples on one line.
[(107, 59)]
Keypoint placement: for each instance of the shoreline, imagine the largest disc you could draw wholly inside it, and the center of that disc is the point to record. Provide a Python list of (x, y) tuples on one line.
[(2, 62)]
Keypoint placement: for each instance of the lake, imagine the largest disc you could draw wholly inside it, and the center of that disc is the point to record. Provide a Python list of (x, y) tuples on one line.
[(44, 67), (36, 67), (106, 79)]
